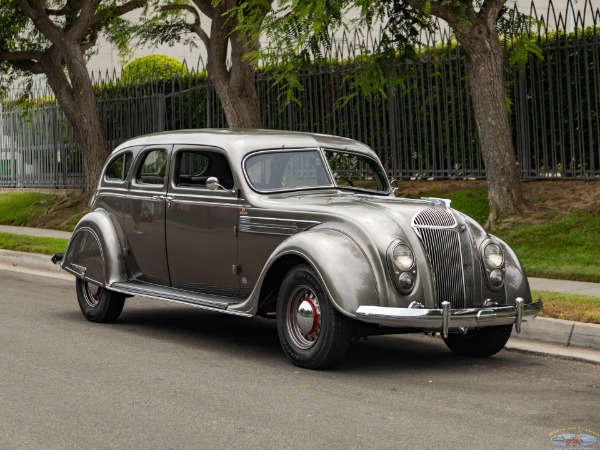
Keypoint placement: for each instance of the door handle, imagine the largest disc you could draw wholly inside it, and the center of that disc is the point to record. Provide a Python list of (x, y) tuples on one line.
[(166, 198)]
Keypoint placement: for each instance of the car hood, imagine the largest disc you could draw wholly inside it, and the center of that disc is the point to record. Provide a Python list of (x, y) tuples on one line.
[(384, 217)]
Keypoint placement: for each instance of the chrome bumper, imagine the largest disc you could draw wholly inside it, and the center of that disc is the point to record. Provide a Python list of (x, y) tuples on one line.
[(444, 319)]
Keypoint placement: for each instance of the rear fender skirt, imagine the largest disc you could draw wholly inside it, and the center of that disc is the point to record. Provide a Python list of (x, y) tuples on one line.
[(94, 252)]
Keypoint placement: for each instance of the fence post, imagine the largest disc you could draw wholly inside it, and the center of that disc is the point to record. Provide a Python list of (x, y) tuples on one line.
[(162, 107), (55, 145)]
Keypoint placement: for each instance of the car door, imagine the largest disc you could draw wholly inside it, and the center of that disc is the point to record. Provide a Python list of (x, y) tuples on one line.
[(145, 216), (201, 224)]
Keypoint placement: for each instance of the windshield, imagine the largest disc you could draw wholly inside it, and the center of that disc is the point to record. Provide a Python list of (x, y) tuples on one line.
[(276, 171), (305, 169)]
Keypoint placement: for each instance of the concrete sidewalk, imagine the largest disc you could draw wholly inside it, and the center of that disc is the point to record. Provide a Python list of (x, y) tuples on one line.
[(565, 286), (562, 338), (39, 232)]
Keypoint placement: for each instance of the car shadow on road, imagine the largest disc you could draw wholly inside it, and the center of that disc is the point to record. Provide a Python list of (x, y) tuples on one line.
[(257, 338)]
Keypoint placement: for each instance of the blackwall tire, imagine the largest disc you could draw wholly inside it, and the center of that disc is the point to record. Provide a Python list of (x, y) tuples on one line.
[(312, 333), (97, 303), (480, 342)]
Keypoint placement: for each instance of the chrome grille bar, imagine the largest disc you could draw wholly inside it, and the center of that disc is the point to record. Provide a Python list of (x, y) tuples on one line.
[(434, 217), (442, 246)]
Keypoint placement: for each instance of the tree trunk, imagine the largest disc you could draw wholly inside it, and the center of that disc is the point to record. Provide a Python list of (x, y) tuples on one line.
[(235, 86), (76, 98), (485, 71)]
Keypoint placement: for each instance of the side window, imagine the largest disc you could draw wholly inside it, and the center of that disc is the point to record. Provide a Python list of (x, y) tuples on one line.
[(154, 168), (194, 168), (119, 168)]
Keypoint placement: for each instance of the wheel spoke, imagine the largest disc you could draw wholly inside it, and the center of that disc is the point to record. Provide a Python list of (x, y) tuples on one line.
[(92, 294), (304, 317)]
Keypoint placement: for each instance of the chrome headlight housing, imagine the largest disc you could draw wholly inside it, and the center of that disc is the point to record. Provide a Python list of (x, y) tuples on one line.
[(493, 259), (401, 262), (402, 257), (493, 255)]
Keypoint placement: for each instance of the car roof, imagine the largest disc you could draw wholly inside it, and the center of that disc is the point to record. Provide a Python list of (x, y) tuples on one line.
[(242, 141)]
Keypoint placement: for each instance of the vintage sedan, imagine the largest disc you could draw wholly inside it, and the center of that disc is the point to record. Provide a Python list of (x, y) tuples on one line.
[(301, 227)]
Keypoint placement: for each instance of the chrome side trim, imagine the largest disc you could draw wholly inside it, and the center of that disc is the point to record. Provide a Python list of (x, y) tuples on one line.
[(210, 303), (447, 319), (268, 225)]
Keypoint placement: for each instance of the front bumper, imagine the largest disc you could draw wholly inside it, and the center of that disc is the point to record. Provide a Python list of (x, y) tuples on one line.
[(444, 319)]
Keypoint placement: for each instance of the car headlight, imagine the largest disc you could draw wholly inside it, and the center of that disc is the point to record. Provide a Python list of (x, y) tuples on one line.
[(403, 257), (496, 278), (493, 255)]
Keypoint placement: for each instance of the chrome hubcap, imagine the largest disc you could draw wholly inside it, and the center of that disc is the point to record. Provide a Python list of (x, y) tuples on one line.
[(92, 294), (304, 317)]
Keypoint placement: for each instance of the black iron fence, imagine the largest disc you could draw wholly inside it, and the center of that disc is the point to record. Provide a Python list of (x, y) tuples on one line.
[(422, 129)]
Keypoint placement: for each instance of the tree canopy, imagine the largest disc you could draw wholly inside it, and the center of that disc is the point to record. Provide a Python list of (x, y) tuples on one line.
[(53, 38), (298, 30)]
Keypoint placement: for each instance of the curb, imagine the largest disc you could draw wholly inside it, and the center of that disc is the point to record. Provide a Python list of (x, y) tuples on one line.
[(541, 335), (31, 263), (27, 260), (563, 332)]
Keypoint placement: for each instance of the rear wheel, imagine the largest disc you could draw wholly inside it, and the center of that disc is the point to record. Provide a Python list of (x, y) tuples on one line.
[(98, 304), (480, 342), (313, 334)]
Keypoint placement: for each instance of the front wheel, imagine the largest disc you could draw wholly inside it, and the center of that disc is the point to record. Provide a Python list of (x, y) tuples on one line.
[(313, 334), (480, 342), (98, 304)]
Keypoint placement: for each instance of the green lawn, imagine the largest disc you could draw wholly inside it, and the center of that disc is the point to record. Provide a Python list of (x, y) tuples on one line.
[(566, 248), (18, 208), (580, 308)]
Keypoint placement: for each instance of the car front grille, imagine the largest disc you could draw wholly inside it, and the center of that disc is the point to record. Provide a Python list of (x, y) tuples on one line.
[(441, 238)]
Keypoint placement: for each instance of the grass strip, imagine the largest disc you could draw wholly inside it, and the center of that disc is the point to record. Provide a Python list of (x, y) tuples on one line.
[(565, 248), (18, 208), (580, 308), (32, 244)]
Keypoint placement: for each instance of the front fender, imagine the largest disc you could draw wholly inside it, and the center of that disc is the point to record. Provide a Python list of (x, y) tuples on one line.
[(94, 251), (515, 280), (340, 263)]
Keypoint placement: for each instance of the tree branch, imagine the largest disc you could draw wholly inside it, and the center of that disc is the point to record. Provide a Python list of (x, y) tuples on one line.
[(119, 10), (26, 61), (92, 41), (35, 10), (490, 10), (83, 21), (206, 7), (194, 27), (436, 9)]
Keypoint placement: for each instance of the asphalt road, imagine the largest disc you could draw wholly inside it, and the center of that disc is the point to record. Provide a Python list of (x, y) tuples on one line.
[(166, 376)]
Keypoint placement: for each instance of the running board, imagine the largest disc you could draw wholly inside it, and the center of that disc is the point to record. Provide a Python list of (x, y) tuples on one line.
[(204, 301)]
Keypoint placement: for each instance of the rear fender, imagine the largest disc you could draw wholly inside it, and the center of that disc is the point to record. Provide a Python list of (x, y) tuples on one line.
[(94, 252)]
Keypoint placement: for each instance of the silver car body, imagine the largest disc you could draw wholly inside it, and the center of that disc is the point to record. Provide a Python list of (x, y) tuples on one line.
[(227, 249)]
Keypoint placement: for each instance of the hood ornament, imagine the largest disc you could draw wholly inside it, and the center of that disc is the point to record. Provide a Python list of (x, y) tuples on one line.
[(441, 202)]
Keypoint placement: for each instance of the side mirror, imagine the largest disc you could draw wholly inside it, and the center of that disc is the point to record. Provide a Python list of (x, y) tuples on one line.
[(213, 183)]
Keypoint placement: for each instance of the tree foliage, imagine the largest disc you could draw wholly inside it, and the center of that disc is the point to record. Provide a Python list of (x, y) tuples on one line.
[(53, 38), (298, 30)]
